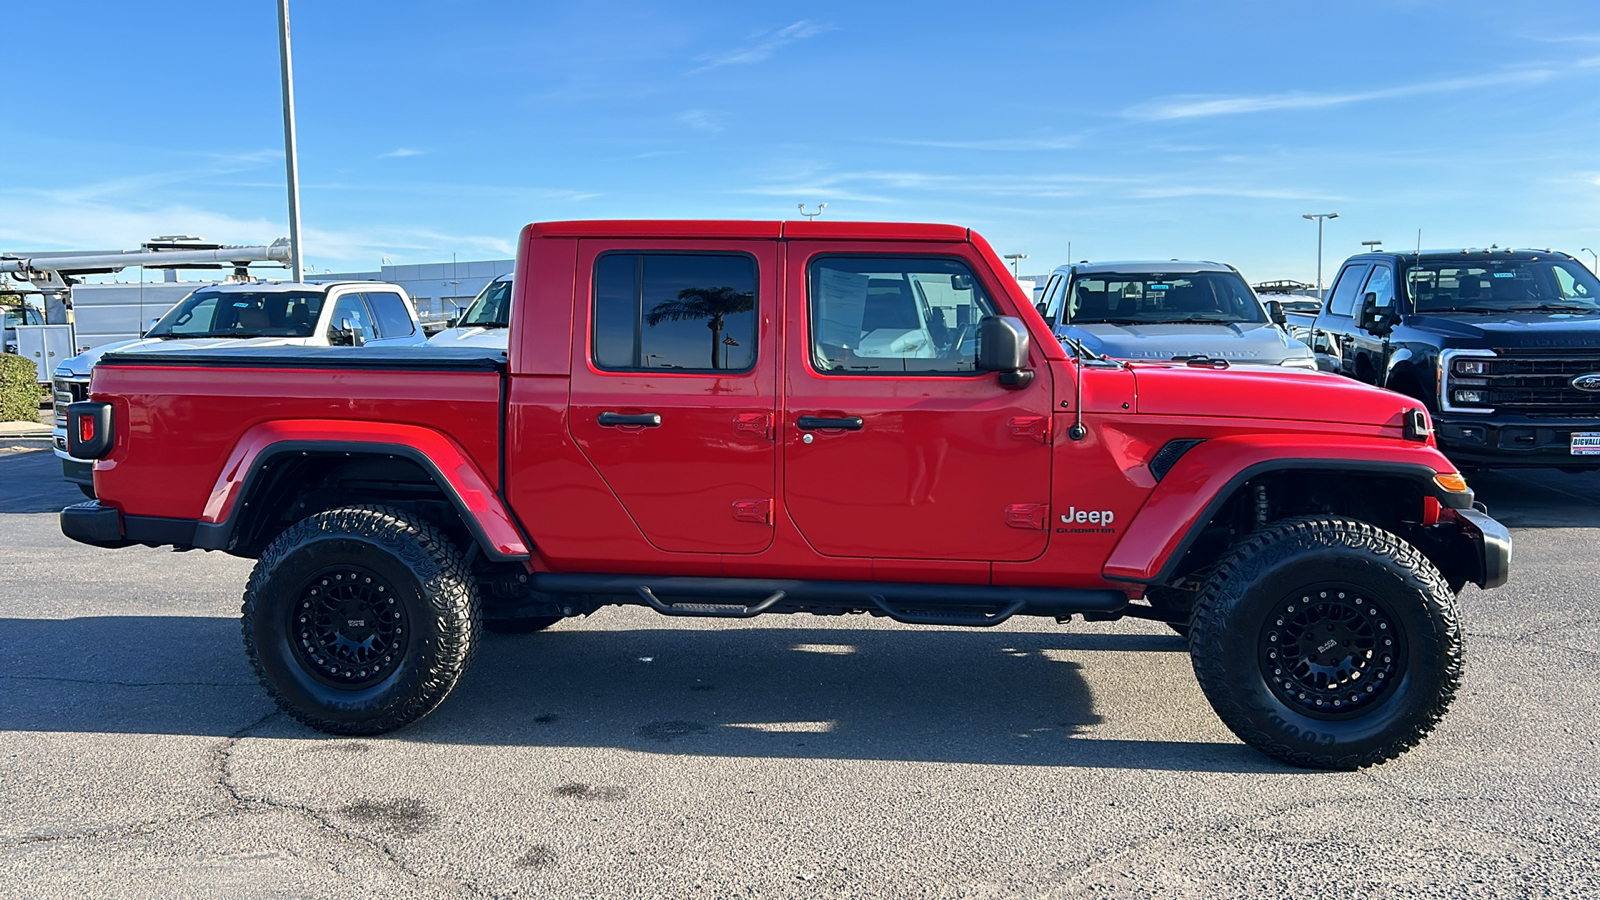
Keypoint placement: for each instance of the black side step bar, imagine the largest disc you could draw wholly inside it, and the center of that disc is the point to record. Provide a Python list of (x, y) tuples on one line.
[(913, 603)]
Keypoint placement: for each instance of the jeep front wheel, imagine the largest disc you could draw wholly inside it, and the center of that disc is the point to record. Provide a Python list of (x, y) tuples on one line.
[(360, 620), (1327, 643)]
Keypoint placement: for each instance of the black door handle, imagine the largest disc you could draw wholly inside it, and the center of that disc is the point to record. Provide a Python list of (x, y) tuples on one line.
[(648, 420), (812, 423)]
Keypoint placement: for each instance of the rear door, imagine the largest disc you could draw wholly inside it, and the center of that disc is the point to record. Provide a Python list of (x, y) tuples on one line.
[(894, 445), (673, 386)]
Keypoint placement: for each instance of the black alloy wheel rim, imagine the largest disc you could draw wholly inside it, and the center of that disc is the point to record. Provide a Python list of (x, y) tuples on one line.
[(1332, 651), (348, 628)]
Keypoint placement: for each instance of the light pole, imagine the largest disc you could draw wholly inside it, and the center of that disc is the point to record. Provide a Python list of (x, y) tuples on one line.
[(1594, 256), (288, 140), (1016, 261), (1319, 217), (1372, 246)]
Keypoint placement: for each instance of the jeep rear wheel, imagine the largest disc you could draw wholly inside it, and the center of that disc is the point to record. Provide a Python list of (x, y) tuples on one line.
[(1327, 643), (360, 620)]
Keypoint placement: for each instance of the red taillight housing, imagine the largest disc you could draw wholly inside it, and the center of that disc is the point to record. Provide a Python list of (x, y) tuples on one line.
[(89, 430)]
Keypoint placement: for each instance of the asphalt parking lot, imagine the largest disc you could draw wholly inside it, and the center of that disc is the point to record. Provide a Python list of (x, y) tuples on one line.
[(627, 755)]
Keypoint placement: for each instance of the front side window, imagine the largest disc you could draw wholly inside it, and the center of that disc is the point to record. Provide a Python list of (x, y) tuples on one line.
[(212, 313), (693, 312), (1155, 298), (1381, 285), (895, 315), (350, 311), (1503, 285), (1343, 300)]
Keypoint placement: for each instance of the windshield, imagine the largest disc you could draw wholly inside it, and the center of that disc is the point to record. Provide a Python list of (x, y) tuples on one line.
[(211, 313), (1503, 285), (491, 309), (1209, 297)]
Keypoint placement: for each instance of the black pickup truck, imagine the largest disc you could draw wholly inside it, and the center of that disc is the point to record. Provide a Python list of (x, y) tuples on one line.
[(1503, 346)]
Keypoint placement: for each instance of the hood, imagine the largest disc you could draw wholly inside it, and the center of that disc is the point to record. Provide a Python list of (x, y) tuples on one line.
[(1532, 330), (474, 336), (1252, 393), (1240, 342), (85, 361)]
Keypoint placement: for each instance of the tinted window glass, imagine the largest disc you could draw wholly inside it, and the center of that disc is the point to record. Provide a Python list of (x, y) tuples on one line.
[(1503, 285), (1221, 297), (1343, 300), (1049, 304), (390, 309), (895, 315), (694, 312), (492, 309), (349, 307), (1382, 284), (210, 313)]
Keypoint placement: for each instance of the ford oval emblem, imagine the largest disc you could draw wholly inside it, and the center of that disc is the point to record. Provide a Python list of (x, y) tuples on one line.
[(1589, 382)]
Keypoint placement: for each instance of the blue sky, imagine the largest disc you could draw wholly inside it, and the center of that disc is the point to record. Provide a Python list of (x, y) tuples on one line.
[(1131, 130)]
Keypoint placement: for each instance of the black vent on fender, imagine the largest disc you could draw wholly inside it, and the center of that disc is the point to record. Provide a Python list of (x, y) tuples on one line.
[(1168, 455)]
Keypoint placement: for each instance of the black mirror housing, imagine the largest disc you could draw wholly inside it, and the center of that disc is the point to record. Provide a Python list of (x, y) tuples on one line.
[(1275, 312), (1003, 349), (1373, 316)]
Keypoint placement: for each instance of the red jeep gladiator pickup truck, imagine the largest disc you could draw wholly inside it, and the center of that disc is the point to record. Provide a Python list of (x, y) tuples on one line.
[(735, 418)]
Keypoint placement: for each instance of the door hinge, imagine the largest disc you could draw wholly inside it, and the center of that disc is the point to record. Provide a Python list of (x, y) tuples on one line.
[(1036, 428), (1030, 516), (757, 424), (757, 511)]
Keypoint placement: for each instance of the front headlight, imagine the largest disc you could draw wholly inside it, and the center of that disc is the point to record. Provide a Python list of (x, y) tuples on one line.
[(1463, 380), (1301, 362)]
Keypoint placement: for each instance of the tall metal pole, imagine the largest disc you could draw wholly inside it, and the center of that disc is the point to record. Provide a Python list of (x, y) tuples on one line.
[(288, 141), (1319, 217), (1594, 256)]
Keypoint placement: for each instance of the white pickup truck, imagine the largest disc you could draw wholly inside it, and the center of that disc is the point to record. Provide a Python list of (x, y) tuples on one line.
[(255, 313)]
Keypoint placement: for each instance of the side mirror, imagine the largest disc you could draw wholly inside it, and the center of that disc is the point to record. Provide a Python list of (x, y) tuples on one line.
[(1003, 349), (1275, 312), (1373, 316), (350, 334)]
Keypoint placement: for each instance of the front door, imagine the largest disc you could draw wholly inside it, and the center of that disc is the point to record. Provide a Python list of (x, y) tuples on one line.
[(673, 387), (895, 446)]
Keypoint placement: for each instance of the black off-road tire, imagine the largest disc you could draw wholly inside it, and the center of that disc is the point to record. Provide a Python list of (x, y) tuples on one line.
[(525, 625), (1178, 604), (1352, 579), (404, 569)]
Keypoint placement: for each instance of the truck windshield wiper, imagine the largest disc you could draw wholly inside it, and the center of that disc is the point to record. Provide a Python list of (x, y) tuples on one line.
[(1558, 307)]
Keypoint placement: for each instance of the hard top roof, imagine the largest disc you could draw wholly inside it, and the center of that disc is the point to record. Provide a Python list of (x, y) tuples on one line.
[(267, 287), (749, 230), (1145, 267), (1473, 254)]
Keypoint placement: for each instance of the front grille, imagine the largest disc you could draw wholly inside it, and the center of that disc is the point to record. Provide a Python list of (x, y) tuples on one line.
[(68, 391), (1541, 385)]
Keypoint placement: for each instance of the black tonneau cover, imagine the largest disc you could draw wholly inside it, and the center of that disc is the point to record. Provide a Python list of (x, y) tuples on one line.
[(420, 356)]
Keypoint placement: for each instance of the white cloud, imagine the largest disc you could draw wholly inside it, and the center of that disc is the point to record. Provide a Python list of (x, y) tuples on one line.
[(707, 120), (1190, 107), (762, 46), (401, 152)]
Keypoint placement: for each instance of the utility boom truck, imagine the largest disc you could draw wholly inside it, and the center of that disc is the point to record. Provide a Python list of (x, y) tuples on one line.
[(729, 419)]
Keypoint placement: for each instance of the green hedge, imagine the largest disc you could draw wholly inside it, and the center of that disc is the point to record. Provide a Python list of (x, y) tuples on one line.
[(19, 389)]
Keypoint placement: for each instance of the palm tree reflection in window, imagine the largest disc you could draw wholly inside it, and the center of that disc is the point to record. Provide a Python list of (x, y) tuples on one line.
[(712, 304)]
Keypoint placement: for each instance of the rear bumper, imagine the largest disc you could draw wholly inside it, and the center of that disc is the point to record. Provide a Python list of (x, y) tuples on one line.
[(77, 471), (104, 526), (91, 523), (1491, 547), (1505, 441)]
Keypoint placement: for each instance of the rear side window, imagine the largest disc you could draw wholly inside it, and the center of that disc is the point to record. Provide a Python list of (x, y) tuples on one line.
[(895, 315), (1343, 301), (693, 312), (390, 309)]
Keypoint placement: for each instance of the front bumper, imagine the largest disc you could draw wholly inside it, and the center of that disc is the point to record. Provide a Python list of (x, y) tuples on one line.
[(1512, 441), (1490, 547)]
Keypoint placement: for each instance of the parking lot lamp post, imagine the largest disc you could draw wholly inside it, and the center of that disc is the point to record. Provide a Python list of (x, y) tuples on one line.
[(288, 141), (1595, 266), (1320, 217), (1016, 261)]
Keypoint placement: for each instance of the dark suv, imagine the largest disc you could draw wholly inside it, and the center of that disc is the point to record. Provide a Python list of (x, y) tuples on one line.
[(1502, 345)]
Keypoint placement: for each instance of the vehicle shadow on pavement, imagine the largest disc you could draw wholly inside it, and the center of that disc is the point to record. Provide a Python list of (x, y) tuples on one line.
[(1539, 498), (31, 482), (1016, 698)]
